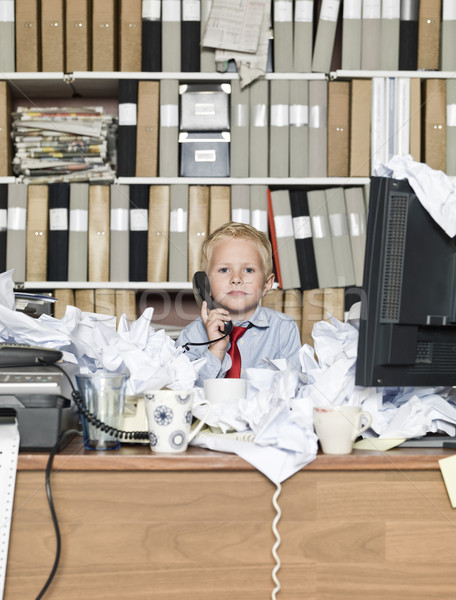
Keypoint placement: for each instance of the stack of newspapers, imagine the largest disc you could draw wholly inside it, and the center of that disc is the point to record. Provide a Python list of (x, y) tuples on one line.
[(64, 144)]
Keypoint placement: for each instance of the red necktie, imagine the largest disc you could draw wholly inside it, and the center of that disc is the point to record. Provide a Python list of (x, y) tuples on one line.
[(235, 335)]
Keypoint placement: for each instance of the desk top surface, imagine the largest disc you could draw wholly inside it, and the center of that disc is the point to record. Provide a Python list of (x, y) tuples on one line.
[(74, 457)]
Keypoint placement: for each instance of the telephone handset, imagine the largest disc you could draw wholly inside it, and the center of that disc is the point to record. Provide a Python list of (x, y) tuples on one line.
[(202, 291)]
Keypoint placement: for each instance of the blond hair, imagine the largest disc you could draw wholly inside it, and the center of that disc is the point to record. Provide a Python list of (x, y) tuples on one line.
[(233, 230)]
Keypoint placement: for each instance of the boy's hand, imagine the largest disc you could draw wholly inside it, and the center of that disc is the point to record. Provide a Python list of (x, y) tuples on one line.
[(214, 321)]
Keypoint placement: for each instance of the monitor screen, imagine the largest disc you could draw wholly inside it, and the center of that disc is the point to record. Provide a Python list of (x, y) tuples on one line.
[(407, 332)]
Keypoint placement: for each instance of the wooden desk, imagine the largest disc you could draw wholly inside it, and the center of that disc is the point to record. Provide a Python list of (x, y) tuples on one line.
[(198, 526)]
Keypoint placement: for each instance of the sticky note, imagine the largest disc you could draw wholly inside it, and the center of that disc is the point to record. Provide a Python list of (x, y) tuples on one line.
[(448, 468), (378, 444)]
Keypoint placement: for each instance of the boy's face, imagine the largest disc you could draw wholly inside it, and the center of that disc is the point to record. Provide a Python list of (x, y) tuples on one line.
[(237, 277)]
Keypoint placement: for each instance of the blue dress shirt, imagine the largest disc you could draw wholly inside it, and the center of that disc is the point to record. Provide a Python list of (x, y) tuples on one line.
[(273, 335)]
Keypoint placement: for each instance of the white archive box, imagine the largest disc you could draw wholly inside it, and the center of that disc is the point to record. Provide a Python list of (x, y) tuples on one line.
[(205, 107)]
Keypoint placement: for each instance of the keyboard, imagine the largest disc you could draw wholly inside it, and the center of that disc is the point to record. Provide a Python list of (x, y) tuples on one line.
[(16, 355), (431, 440)]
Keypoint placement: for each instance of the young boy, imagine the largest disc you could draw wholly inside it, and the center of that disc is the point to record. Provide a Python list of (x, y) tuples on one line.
[(238, 261)]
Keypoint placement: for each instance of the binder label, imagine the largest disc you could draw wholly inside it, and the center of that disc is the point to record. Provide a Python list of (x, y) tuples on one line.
[(240, 115), (320, 226), (283, 226), (371, 9), (410, 9), (7, 11), (79, 219), (151, 10), (171, 11), (2, 219), (449, 11), (283, 11), (58, 219), (127, 113), (17, 217), (205, 155), (329, 10), (191, 10), (302, 227), (317, 117), (260, 219), (279, 115), (139, 219), (338, 224), (352, 9), (356, 224), (169, 115), (178, 221), (451, 115), (241, 215), (260, 115), (303, 11), (391, 9), (119, 219), (299, 115)]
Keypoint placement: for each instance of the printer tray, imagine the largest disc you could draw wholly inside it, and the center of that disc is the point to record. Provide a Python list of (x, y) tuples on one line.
[(41, 419)]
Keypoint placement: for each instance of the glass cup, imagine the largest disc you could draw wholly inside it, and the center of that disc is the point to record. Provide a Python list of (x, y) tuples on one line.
[(103, 394)]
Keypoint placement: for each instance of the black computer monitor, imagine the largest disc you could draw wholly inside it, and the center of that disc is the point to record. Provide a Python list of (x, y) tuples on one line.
[(407, 332)]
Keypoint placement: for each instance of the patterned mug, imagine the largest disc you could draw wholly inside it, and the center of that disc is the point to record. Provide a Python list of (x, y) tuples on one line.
[(169, 416)]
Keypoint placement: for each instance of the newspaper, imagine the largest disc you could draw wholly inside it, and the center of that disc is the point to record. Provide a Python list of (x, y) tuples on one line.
[(234, 25)]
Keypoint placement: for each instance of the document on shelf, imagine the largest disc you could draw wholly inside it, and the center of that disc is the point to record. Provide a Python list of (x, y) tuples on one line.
[(234, 26), (250, 65)]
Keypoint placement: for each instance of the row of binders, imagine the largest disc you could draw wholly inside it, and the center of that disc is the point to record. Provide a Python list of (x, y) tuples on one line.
[(297, 128), (310, 306), (166, 35), (318, 236), (109, 302), (79, 232)]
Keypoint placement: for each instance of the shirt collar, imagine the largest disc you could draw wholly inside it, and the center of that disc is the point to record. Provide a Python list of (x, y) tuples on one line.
[(258, 319)]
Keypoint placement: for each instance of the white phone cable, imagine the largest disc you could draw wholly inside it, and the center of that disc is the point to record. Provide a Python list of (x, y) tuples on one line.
[(278, 541)]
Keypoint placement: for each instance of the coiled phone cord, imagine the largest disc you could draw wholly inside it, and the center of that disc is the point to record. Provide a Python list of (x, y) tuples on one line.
[(104, 427), (93, 419), (278, 541)]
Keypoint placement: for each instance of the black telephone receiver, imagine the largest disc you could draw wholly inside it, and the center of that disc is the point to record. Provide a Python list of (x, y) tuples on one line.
[(202, 291)]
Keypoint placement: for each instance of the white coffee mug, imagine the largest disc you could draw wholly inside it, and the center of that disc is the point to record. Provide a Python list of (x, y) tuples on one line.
[(222, 391), (339, 426), (169, 417)]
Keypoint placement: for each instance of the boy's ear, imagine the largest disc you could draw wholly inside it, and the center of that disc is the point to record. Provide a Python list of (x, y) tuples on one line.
[(268, 283)]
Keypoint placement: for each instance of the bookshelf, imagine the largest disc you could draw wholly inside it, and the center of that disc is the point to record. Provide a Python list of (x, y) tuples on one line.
[(89, 88), (103, 86)]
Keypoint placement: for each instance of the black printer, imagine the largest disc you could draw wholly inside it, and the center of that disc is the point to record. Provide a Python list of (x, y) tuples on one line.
[(40, 396)]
